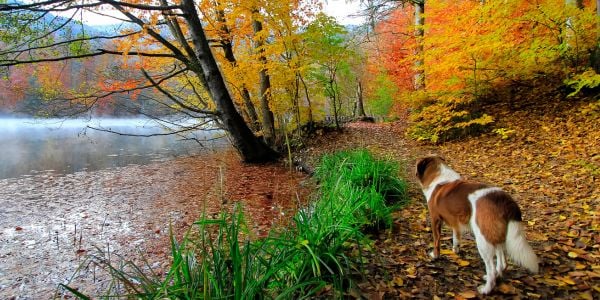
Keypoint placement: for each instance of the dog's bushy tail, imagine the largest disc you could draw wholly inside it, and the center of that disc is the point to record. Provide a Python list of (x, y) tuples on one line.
[(518, 248)]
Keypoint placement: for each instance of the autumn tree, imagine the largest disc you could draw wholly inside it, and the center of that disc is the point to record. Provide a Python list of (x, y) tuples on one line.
[(167, 38), (474, 50), (381, 10), (330, 51)]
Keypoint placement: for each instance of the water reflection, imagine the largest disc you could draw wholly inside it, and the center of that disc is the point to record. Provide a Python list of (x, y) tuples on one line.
[(28, 146)]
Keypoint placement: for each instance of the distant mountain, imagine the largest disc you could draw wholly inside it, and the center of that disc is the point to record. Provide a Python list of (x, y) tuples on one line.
[(75, 26)]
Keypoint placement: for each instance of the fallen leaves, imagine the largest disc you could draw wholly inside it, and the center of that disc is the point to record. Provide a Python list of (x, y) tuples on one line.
[(552, 174), (467, 295)]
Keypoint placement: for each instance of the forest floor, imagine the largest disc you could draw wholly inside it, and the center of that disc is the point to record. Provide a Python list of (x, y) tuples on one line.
[(549, 162)]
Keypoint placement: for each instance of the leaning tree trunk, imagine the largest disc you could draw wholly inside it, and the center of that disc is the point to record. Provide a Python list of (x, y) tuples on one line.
[(268, 122), (251, 148), (229, 55), (419, 35)]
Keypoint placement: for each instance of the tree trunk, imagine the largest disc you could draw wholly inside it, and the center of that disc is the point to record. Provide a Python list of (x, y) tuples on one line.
[(419, 35), (595, 56), (230, 56), (250, 108), (250, 147), (310, 115), (268, 123), (296, 102), (360, 108), (334, 100)]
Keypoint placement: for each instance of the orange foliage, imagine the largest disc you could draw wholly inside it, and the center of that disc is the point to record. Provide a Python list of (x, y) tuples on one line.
[(471, 48), (396, 48)]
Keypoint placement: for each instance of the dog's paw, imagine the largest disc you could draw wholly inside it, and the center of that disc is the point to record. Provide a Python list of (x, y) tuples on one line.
[(456, 249), (432, 255), (484, 289)]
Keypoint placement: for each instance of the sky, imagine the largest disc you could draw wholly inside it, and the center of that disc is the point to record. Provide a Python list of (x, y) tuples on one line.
[(340, 9)]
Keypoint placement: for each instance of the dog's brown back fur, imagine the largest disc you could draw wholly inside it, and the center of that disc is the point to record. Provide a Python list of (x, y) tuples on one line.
[(450, 202), (494, 211)]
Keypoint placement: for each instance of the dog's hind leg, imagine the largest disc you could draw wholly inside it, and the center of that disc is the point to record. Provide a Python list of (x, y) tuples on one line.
[(455, 240), (487, 252), (436, 230), (500, 260)]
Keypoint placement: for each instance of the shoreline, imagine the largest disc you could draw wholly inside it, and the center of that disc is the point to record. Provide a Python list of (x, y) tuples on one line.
[(52, 221)]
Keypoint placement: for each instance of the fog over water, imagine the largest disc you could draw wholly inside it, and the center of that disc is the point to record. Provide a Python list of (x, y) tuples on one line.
[(30, 146)]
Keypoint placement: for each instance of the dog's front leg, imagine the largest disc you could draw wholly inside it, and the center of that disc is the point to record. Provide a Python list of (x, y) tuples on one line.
[(455, 240), (436, 229)]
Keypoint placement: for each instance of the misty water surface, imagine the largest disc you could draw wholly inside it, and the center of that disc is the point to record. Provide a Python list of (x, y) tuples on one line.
[(30, 146)]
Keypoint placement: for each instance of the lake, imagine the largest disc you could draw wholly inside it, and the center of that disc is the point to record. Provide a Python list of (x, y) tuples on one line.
[(29, 146)]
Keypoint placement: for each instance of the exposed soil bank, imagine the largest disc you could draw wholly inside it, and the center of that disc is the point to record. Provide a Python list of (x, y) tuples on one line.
[(49, 223)]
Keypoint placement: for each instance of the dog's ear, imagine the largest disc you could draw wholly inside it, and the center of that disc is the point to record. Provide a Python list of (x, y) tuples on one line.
[(422, 166)]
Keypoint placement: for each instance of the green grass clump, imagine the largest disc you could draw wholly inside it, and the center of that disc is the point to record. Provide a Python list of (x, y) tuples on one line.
[(295, 262)]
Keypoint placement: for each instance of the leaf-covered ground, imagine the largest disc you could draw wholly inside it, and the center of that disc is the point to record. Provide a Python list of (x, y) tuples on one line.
[(549, 160), (50, 222)]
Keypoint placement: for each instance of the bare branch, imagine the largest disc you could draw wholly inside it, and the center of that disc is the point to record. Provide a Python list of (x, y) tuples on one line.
[(184, 130), (64, 5), (14, 62), (166, 93), (83, 39), (178, 54)]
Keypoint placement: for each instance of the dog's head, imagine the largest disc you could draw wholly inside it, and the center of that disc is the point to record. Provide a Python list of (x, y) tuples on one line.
[(428, 168)]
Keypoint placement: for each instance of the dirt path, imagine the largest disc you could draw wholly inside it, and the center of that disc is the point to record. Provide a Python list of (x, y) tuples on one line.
[(552, 167), (49, 222)]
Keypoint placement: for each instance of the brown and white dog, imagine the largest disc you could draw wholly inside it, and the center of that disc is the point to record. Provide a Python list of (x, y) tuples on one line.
[(490, 213)]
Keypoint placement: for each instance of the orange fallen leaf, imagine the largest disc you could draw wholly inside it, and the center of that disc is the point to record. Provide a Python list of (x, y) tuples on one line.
[(447, 252), (593, 274), (567, 280), (468, 294), (577, 274), (506, 289), (463, 263)]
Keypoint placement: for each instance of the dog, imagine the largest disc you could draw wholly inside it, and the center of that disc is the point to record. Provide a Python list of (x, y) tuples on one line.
[(488, 212)]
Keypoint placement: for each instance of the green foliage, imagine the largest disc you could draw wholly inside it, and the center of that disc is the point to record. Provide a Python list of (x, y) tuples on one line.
[(588, 79), (504, 133), (291, 263), (360, 169), (383, 97)]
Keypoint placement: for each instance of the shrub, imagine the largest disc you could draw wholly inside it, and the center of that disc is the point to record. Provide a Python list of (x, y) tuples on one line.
[(440, 122)]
